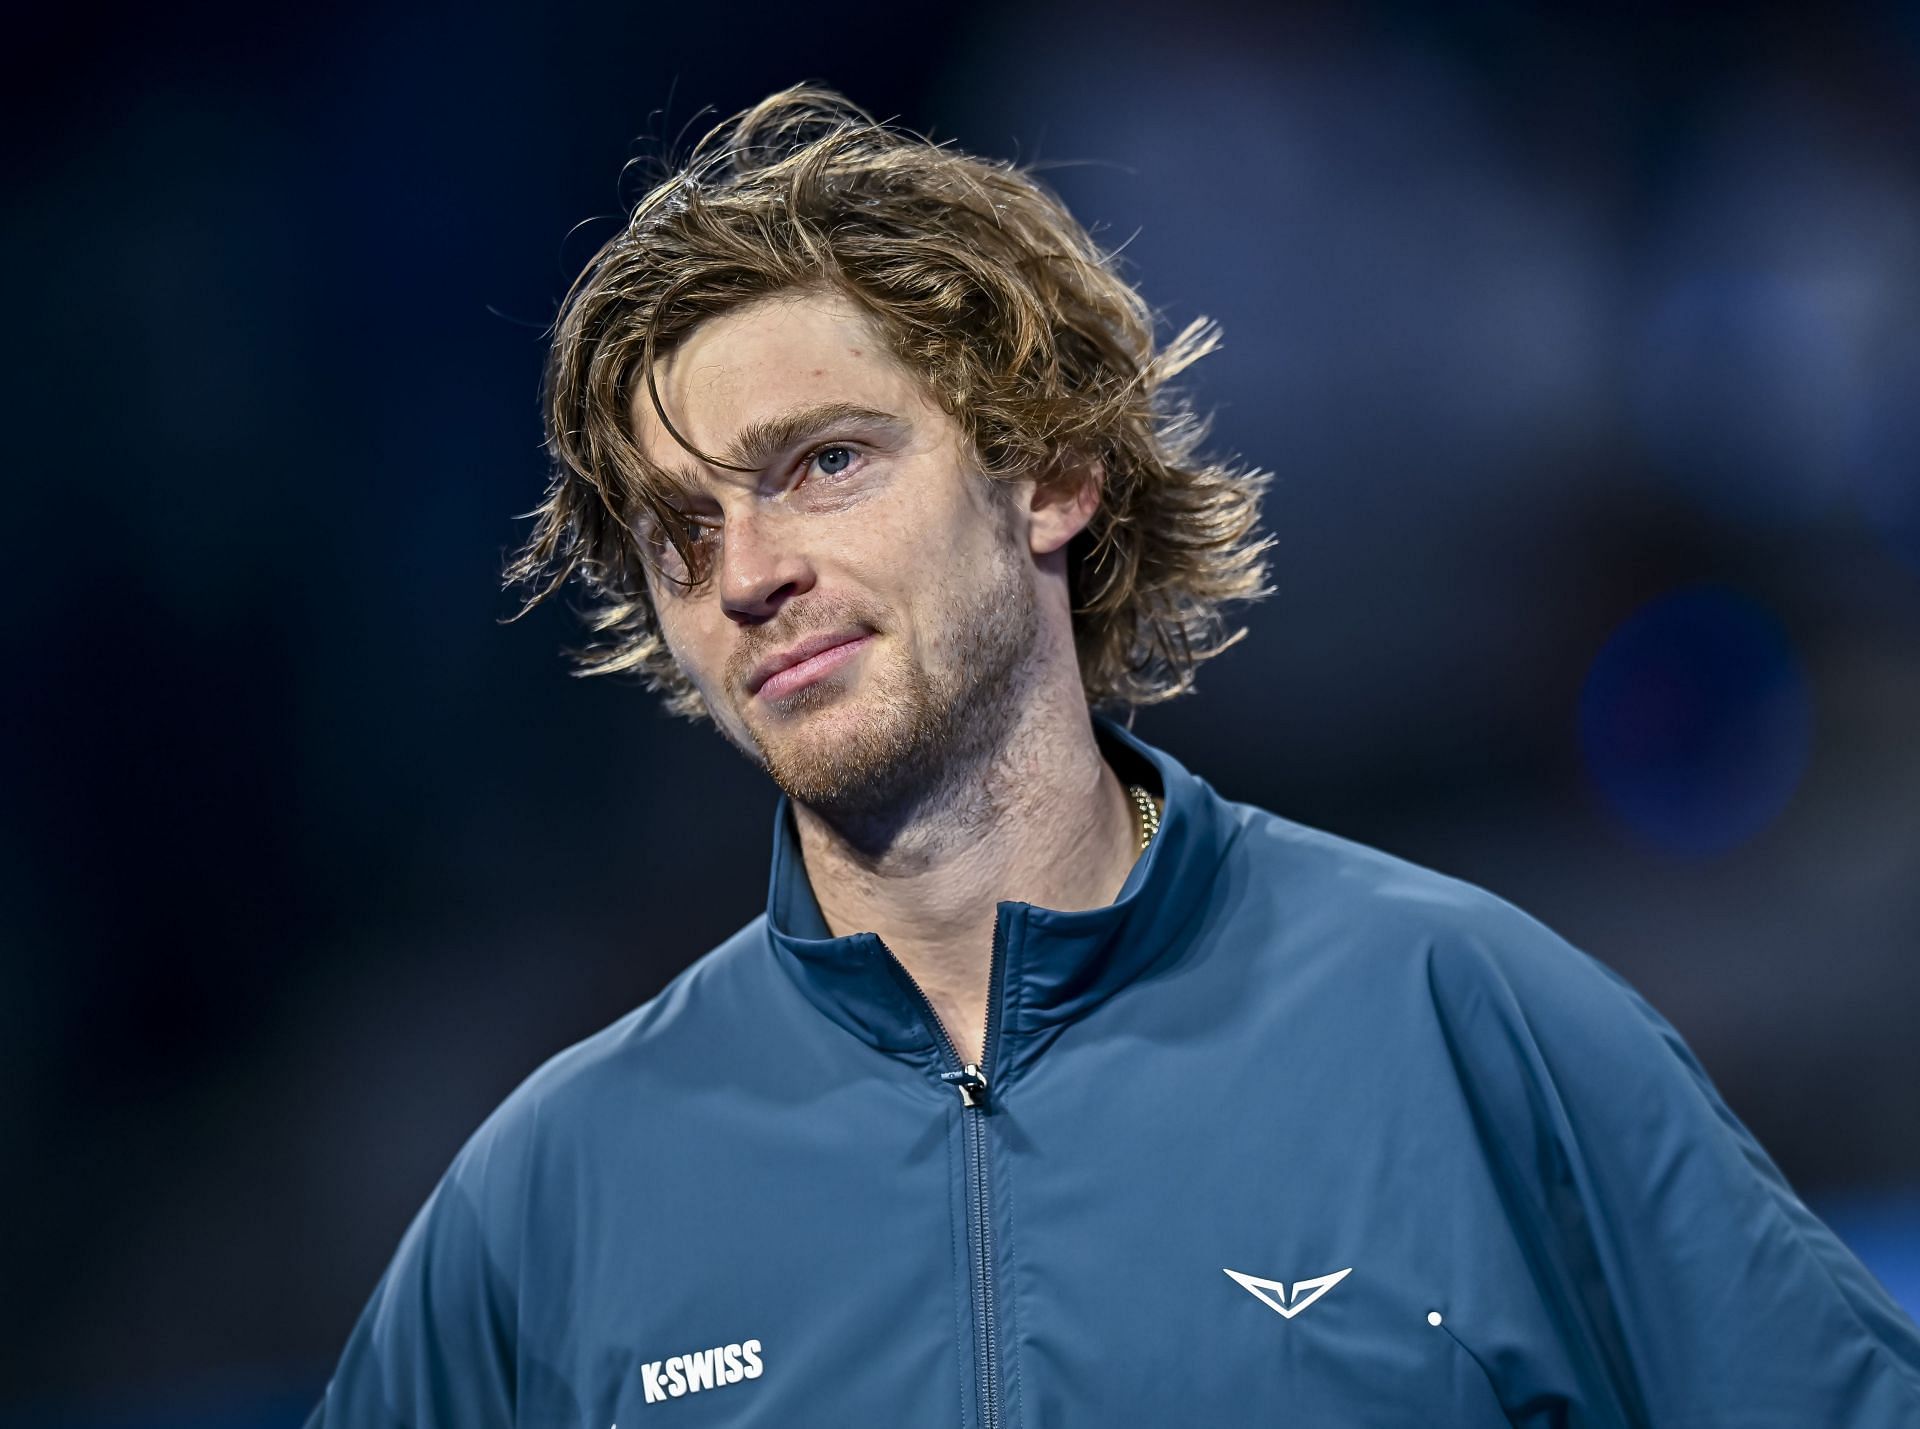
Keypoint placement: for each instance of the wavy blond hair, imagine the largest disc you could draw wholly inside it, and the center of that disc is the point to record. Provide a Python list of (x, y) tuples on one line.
[(980, 281)]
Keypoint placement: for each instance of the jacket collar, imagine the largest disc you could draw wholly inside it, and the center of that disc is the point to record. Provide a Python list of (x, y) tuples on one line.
[(1056, 966)]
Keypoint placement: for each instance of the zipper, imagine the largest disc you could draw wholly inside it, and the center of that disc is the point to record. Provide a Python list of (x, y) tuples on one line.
[(970, 1081)]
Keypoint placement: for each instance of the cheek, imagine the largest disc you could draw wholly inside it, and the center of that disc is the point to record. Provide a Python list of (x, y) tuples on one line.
[(688, 640), (929, 544)]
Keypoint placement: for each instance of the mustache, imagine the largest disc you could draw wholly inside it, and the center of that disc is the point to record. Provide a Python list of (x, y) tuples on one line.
[(794, 624)]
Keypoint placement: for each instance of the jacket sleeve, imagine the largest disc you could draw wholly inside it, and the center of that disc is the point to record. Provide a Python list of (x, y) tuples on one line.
[(1708, 1293), (434, 1347)]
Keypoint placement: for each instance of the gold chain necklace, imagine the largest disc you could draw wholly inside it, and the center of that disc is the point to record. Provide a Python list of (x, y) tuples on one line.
[(1149, 814)]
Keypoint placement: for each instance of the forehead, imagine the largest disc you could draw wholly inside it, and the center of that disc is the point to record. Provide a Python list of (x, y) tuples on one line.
[(749, 367)]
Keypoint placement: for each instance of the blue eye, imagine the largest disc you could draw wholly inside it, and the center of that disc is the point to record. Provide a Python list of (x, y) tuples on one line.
[(832, 461)]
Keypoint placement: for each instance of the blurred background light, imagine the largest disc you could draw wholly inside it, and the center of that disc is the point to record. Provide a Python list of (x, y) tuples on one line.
[(1748, 384), (1886, 457), (1696, 720), (1786, 260)]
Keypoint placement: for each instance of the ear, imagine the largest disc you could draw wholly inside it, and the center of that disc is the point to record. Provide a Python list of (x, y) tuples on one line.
[(1061, 506)]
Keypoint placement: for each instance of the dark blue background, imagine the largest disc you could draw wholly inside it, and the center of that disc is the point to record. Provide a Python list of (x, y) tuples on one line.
[(1583, 342)]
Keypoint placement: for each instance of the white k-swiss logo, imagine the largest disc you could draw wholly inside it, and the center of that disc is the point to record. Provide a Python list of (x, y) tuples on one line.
[(1273, 1293)]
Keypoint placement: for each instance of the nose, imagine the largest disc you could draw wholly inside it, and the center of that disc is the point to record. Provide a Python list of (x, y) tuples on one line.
[(761, 567)]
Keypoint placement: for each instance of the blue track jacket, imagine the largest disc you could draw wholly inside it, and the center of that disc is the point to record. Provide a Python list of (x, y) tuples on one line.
[(1292, 1132)]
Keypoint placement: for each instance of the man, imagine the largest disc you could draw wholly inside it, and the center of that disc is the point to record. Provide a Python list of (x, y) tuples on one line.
[(1052, 1088)]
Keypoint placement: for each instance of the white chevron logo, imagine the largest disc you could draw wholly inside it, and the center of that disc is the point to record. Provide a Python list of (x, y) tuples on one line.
[(1273, 1293)]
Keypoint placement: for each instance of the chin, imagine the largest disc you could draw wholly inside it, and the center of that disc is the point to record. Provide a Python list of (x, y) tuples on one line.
[(859, 748)]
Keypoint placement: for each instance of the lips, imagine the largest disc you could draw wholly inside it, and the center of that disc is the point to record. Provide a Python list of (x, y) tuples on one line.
[(804, 662)]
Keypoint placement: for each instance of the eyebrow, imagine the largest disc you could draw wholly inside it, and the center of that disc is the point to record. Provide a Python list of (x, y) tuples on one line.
[(759, 442)]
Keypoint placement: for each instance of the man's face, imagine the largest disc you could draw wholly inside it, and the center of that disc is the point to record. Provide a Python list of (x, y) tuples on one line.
[(868, 626)]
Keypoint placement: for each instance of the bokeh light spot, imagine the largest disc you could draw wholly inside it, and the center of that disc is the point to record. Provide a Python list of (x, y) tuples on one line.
[(1696, 721)]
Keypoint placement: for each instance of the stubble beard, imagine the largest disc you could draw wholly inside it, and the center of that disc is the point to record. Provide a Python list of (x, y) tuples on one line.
[(920, 734)]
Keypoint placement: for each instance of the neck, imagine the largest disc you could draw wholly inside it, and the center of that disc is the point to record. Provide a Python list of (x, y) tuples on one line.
[(1040, 819)]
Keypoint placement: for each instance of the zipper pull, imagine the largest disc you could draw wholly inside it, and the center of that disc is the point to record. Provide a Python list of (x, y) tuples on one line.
[(970, 1082)]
